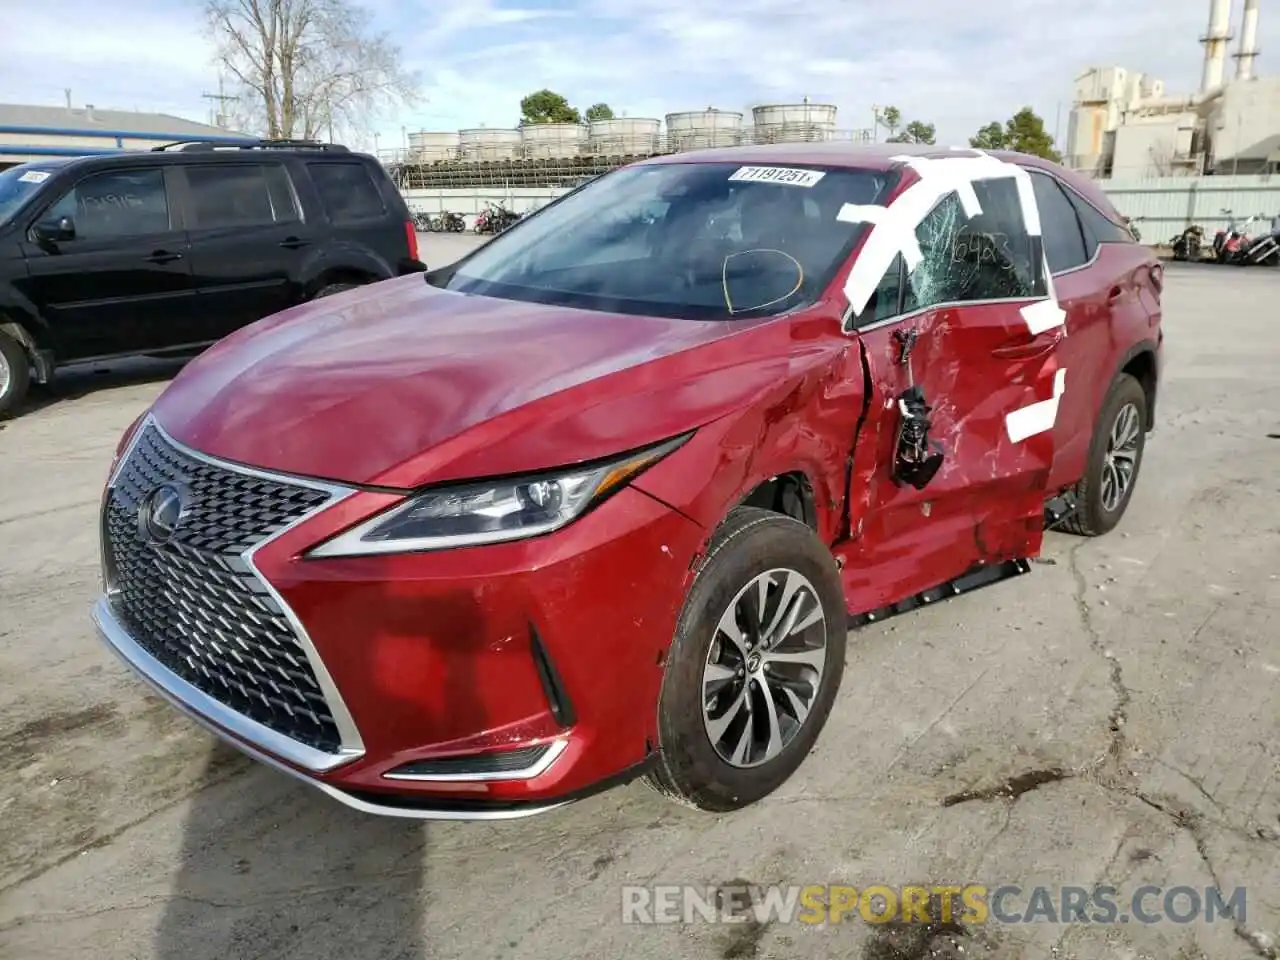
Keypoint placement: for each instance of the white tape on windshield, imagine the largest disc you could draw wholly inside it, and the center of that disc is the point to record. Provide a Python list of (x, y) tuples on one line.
[(34, 176), (786, 176), (1037, 417)]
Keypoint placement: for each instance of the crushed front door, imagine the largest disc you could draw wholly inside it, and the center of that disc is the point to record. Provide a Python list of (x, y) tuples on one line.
[(953, 306)]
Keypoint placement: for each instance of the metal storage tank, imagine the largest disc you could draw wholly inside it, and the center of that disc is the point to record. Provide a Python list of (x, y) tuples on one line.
[(552, 141), (624, 136), (428, 147), (696, 129), (484, 143), (791, 122)]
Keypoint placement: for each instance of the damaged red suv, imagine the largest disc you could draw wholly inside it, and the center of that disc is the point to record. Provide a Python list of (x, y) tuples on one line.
[(603, 498)]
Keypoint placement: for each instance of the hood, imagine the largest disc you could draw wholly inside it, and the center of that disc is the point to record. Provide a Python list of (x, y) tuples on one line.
[(400, 383)]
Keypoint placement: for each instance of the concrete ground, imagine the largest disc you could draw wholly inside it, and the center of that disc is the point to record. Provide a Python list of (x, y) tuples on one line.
[(1110, 718)]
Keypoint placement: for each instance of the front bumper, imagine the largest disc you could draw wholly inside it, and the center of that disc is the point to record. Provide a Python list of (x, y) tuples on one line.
[(553, 645)]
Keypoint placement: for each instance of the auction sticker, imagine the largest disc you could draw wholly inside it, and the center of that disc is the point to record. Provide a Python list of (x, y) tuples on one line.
[(34, 176), (789, 176)]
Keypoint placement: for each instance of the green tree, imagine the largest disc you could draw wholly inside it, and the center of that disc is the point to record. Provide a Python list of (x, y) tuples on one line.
[(599, 111), (547, 106), (917, 132), (891, 119), (1024, 132), (990, 137)]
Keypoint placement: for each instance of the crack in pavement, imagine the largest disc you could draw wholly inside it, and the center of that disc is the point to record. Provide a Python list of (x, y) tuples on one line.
[(1111, 771)]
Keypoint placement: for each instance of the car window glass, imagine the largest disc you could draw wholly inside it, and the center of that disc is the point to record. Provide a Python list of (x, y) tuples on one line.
[(118, 203), (690, 240), (229, 195), (1098, 228), (1064, 244), (347, 191), (886, 299), (284, 203), (986, 257)]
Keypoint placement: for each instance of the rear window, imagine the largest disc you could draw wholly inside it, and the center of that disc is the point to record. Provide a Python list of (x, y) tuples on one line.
[(347, 191), (240, 195)]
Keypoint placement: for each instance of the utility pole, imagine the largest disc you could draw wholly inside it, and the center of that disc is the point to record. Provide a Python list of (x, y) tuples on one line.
[(219, 112)]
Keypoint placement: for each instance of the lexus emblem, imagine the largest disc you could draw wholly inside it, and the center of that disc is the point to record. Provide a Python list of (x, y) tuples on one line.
[(159, 515)]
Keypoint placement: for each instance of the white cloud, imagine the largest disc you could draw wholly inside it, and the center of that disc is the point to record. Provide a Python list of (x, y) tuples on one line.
[(958, 64)]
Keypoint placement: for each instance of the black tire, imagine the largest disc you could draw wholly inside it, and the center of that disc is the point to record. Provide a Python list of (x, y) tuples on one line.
[(1091, 518), (330, 289), (18, 365), (688, 767)]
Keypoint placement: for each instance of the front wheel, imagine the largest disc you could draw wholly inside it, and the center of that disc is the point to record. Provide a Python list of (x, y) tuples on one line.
[(754, 666), (1115, 456), (15, 374)]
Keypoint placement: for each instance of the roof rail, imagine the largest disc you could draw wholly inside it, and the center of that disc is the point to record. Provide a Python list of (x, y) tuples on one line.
[(209, 145)]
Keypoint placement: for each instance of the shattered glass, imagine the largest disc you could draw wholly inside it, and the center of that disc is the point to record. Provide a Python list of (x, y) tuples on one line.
[(985, 257)]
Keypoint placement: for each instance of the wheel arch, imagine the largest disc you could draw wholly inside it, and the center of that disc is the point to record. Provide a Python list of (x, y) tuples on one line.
[(1142, 363)]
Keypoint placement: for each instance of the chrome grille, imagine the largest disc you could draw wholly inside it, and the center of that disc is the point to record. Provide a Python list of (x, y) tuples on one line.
[(193, 602)]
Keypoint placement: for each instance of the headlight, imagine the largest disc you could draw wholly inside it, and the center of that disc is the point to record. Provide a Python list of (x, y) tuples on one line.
[(492, 511)]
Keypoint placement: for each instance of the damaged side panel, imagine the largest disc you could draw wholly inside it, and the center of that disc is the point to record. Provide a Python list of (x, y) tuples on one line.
[(959, 337)]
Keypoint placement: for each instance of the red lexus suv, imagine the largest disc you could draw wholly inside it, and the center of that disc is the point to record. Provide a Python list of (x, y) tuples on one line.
[(603, 498)]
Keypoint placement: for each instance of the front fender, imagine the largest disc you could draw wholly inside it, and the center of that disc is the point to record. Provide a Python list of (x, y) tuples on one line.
[(806, 426), (22, 321)]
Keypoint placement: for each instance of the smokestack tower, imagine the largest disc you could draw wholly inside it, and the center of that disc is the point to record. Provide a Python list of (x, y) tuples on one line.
[(1215, 43), (1248, 51)]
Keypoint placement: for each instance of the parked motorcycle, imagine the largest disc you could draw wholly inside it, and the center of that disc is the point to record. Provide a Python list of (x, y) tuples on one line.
[(1229, 244), (422, 221), (495, 218), (452, 222), (1262, 250), (1188, 244), (1132, 224)]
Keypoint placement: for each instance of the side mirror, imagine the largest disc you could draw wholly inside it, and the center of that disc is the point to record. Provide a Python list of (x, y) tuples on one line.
[(55, 231)]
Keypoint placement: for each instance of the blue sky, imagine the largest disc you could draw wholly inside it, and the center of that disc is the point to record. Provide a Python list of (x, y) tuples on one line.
[(957, 64)]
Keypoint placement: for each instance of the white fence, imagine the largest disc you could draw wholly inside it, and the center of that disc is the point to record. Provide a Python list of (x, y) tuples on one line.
[(1162, 206)]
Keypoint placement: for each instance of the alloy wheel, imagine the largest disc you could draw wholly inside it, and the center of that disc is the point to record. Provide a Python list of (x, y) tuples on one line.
[(1121, 460), (6, 375), (764, 668)]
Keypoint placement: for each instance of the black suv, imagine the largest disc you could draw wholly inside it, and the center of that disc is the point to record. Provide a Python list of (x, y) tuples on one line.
[(164, 252)]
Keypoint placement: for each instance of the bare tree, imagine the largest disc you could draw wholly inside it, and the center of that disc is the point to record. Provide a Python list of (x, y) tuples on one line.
[(1161, 156), (306, 67)]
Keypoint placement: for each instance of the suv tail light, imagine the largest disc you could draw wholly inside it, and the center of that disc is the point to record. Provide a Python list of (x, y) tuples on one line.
[(411, 235)]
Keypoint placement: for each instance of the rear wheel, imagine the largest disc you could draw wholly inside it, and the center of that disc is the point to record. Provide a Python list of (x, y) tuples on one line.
[(754, 666), (1115, 456), (15, 374)]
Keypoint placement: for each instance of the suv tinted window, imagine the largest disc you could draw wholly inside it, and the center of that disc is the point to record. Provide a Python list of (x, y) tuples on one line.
[(1097, 228), (987, 257), (239, 195), (116, 203), (347, 191), (1064, 244)]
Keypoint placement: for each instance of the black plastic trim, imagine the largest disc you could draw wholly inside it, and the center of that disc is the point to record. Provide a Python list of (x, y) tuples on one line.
[(552, 683)]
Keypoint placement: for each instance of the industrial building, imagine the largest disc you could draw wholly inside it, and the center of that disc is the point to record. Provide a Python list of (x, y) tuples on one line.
[(37, 132), (557, 154), (1124, 123)]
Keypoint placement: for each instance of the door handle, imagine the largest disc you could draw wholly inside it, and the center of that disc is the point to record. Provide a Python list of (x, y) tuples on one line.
[(294, 243), (163, 256), (1040, 346)]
